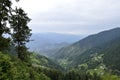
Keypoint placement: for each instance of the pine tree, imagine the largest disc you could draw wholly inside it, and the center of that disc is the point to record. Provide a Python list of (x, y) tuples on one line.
[(21, 32), (5, 6)]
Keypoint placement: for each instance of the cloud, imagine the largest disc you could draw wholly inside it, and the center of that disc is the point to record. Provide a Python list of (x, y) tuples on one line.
[(72, 16)]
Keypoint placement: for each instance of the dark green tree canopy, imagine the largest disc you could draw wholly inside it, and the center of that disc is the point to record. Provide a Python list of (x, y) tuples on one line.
[(5, 8), (21, 32), (14, 21)]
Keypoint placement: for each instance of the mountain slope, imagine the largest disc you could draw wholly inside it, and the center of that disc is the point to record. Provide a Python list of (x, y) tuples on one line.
[(108, 53), (44, 62), (49, 43), (67, 55)]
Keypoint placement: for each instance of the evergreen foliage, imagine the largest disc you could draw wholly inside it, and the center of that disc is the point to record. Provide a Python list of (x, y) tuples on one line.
[(5, 7), (11, 68), (28, 66), (21, 32)]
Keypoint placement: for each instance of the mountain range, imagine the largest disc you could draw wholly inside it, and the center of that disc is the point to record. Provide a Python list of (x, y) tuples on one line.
[(49, 43), (96, 57), (93, 51)]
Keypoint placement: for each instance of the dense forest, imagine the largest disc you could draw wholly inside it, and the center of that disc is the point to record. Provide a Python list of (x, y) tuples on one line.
[(17, 63)]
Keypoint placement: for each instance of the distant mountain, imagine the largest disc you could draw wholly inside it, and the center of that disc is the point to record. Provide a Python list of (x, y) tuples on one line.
[(108, 54), (49, 43), (84, 50)]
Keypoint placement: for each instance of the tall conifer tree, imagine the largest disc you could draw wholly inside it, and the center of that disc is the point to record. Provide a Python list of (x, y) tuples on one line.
[(21, 32), (5, 6)]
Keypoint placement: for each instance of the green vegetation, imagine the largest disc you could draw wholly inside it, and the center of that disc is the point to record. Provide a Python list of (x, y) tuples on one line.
[(43, 62), (5, 6), (93, 58), (108, 76), (21, 32), (87, 46), (11, 68), (94, 55)]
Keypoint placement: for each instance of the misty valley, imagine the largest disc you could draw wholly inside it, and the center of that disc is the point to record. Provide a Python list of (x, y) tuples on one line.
[(68, 57), (95, 56), (66, 40)]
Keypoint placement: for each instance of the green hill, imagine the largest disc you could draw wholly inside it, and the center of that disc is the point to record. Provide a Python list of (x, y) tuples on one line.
[(43, 62), (11, 68), (83, 50), (108, 54)]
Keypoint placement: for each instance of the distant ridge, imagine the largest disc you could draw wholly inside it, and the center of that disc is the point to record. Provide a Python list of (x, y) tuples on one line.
[(48, 43), (80, 51)]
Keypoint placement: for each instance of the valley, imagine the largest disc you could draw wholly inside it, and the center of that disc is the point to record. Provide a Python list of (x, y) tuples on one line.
[(66, 40), (49, 43), (95, 57), (98, 53)]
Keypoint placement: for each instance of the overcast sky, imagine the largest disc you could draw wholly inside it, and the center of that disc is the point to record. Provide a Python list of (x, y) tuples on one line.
[(72, 16)]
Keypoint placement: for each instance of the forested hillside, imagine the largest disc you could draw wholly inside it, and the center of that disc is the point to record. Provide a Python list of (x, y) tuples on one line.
[(16, 62), (97, 53), (107, 54), (95, 57), (68, 54)]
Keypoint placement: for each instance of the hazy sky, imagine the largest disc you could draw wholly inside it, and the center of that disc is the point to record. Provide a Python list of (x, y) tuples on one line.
[(72, 16)]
